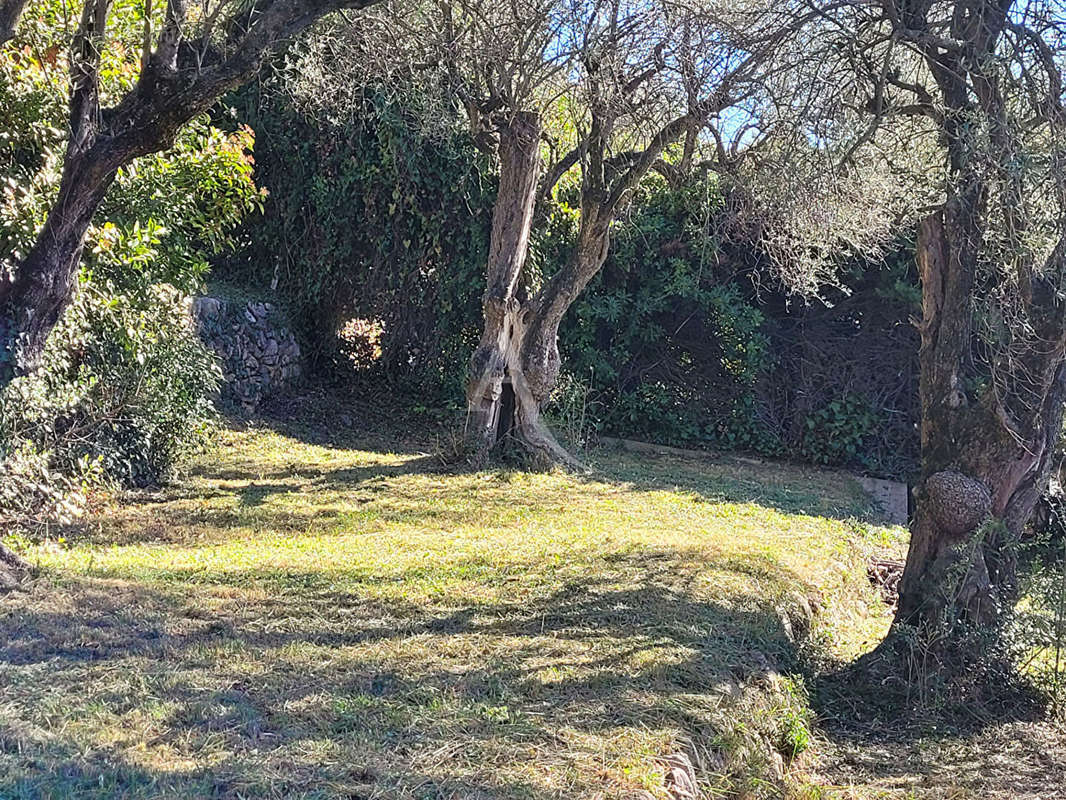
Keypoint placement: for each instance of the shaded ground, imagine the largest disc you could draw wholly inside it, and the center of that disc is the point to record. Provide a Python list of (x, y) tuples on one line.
[(332, 620), (1012, 761)]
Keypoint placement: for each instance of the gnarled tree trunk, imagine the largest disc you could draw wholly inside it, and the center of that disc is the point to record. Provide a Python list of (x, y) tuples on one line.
[(539, 354), (516, 365), (31, 304), (986, 455), (492, 402)]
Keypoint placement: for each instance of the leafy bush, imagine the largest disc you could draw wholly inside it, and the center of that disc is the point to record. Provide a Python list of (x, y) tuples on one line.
[(124, 389), (1038, 624), (673, 347), (682, 344), (169, 213), (394, 219), (836, 432), (127, 387), (34, 493)]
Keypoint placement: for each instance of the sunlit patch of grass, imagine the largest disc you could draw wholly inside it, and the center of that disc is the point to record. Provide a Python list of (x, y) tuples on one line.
[(295, 620)]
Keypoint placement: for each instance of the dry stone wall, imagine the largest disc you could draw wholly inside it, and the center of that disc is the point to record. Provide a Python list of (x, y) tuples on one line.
[(258, 353)]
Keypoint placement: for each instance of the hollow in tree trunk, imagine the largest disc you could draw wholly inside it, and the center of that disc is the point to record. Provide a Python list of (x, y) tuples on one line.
[(496, 402)]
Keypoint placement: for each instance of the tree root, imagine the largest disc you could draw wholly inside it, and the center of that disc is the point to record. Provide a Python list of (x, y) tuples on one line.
[(546, 451)]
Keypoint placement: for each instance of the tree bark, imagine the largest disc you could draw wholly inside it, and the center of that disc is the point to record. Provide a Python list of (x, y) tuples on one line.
[(985, 459), (492, 402), (31, 305), (516, 366), (32, 302), (540, 360), (10, 12), (540, 350), (991, 398)]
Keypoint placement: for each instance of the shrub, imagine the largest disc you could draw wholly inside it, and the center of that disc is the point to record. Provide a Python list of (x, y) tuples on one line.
[(33, 493), (124, 385), (836, 432), (1038, 624), (683, 344), (371, 216), (673, 351), (124, 389)]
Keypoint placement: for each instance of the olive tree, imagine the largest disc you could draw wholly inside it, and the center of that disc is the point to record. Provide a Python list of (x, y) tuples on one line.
[(600, 93), (505, 65), (976, 84), (642, 79), (193, 53)]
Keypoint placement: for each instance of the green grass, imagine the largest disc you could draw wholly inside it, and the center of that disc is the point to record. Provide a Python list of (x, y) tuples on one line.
[(296, 620)]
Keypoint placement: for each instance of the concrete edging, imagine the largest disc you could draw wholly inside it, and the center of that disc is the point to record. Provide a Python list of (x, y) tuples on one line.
[(890, 496)]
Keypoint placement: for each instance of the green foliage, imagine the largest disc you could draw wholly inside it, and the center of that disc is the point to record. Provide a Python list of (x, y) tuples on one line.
[(795, 720), (376, 225), (125, 379), (680, 343), (126, 387), (394, 219), (34, 492), (573, 413), (34, 93), (124, 390), (836, 432), (169, 212), (673, 348), (654, 410)]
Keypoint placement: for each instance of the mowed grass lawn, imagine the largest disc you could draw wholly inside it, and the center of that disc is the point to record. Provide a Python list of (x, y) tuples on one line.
[(296, 620)]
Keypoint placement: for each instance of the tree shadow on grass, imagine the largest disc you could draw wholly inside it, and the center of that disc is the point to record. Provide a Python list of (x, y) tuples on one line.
[(207, 689), (382, 489), (890, 723), (334, 417), (717, 478), (335, 476), (789, 489), (324, 418), (243, 497)]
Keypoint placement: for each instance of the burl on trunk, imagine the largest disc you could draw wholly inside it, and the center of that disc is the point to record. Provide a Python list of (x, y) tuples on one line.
[(986, 449)]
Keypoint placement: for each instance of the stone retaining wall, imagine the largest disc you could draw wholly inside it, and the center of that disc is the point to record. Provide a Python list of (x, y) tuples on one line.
[(258, 353)]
